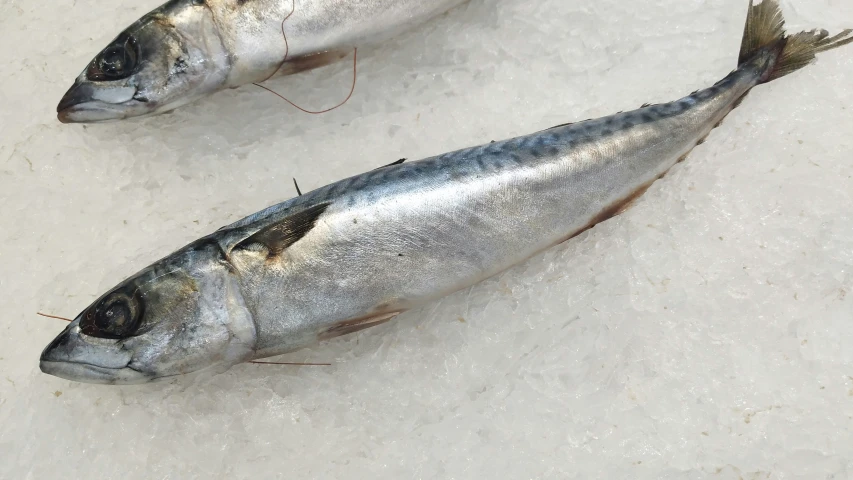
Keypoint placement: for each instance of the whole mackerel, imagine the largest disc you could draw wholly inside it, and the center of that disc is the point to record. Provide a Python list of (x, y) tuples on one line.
[(187, 49), (358, 252)]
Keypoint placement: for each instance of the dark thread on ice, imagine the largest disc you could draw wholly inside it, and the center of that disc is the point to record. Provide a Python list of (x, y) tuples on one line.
[(286, 44), (287, 52), (54, 316), (352, 90)]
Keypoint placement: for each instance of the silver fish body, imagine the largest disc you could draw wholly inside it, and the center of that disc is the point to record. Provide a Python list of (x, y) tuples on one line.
[(357, 252), (187, 49), (400, 236)]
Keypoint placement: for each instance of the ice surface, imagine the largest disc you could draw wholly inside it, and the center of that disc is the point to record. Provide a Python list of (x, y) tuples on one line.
[(705, 333)]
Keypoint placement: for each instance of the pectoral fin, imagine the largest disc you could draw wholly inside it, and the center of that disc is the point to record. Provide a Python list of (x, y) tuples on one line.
[(287, 231), (312, 61), (351, 326)]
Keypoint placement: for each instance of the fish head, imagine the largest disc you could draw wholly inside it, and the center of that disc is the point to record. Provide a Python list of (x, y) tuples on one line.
[(183, 314), (168, 58)]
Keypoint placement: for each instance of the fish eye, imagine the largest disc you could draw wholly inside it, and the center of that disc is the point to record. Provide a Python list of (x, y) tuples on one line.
[(116, 316), (115, 62)]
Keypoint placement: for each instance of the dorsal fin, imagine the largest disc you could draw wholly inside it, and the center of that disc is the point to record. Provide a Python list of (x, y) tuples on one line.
[(287, 231), (392, 163), (645, 105), (558, 126)]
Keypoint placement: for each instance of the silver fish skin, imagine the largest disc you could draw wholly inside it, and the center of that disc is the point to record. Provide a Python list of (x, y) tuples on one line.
[(357, 252), (188, 49)]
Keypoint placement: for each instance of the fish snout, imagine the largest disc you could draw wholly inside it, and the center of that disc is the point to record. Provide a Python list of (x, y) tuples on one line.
[(62, 347), (72, 357), (77, 94), (88, 101)]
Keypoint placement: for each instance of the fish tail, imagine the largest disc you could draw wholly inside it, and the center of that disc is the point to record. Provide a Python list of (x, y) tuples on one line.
[(765, 33)]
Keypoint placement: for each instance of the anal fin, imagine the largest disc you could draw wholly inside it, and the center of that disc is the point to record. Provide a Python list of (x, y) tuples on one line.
[(618, 207), (632, 200)]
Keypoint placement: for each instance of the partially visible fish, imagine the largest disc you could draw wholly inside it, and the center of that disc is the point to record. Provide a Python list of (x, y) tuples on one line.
[(187, 49), (358, 252)]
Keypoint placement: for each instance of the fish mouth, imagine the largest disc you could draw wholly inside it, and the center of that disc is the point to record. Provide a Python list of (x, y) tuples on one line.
[(87, 102), (88, 373), (90, 112), (72, 357)]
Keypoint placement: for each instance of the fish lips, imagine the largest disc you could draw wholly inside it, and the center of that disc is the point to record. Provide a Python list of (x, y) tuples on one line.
[(72, 357), (94, 102)]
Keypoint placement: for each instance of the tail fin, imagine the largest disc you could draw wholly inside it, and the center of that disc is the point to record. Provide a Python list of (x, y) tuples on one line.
[(765, 29)]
